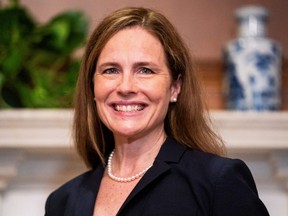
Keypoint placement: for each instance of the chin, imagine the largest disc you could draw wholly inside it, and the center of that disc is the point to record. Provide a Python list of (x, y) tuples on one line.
[(127, 133)]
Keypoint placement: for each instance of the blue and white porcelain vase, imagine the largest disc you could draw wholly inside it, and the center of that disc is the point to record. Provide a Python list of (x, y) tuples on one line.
[(253, 64)]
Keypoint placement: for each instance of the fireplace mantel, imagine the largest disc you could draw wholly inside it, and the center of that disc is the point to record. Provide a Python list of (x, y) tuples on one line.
[(51, 129), (36, 148), (47, 133)]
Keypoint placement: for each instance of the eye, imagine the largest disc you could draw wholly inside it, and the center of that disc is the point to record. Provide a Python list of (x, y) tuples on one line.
[(145, 70), (110, 71)]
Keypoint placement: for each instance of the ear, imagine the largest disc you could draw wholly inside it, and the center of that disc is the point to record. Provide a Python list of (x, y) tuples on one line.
[(176, 89)]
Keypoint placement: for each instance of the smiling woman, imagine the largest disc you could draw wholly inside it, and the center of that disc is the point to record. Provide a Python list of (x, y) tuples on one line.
[(138, 78), (139, 110)]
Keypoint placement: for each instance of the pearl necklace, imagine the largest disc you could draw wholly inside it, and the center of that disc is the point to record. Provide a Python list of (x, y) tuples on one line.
[(121, 179)]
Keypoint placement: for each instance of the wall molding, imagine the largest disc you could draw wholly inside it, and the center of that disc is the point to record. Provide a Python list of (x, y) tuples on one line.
[(36, 146)]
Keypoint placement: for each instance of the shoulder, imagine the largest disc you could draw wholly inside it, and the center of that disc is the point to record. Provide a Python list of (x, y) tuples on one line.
[(199, 163), (213, 165), (227, 181), (67, 189), (73, 184), (63, 199), (203, 168), (210, 169)]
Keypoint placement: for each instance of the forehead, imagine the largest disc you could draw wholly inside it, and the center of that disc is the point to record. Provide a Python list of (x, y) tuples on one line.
[(133, 38), (135, 43)]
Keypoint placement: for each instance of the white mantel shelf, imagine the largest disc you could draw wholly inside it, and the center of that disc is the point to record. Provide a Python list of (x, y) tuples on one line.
[(51, 129), (253, 130), (43, 138), (35, 129), (36, 150)]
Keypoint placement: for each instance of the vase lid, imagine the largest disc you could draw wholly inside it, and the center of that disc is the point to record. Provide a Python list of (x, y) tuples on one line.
[(248, 11)]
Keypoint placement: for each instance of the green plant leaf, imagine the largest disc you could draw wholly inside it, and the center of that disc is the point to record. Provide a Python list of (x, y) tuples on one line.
[(16, 24), (37, 67), (64, 33)]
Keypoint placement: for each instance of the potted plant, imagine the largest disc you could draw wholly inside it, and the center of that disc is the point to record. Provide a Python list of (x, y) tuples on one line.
[(38, 67)]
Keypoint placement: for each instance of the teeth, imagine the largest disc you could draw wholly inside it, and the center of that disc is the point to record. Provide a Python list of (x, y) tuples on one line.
[(128, 108)]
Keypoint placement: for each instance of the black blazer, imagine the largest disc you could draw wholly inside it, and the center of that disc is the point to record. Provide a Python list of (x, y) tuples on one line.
[(181, 182)]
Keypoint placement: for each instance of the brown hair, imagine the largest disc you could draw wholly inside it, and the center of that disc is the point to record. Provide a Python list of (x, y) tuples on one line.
[(186, 120)]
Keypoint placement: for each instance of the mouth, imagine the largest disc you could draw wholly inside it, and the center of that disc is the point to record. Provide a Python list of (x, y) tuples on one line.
[(128, 108)]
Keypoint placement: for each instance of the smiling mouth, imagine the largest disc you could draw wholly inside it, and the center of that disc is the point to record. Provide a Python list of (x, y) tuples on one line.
[(128, 108)]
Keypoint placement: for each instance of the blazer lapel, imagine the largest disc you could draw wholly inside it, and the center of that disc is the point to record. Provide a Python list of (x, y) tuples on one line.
[(85, 203), (170, 152)]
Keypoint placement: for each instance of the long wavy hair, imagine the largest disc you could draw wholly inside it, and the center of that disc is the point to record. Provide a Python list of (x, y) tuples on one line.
[(187, 120)]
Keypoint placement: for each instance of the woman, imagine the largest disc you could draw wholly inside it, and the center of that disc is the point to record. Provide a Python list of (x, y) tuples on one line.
[(141, 127)]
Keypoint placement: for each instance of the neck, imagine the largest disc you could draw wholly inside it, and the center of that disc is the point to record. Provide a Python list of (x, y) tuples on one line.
[(134, 156)]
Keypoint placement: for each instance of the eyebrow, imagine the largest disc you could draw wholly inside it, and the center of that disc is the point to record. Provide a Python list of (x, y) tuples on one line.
[(107, 64), (145, 63), (135, 65)]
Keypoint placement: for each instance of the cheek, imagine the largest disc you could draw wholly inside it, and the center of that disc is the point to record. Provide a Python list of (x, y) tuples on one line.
[(97, 92), (101, 89), (100, 95), (158, 90)]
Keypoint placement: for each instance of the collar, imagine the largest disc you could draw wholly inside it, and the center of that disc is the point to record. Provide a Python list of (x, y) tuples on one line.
[(170, 152)]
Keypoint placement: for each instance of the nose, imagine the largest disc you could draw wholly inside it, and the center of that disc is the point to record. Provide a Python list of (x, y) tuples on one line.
[(127, 84)]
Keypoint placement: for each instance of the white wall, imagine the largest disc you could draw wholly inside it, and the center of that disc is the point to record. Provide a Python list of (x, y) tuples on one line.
[(205, 25), (36, 156), (24, 202)]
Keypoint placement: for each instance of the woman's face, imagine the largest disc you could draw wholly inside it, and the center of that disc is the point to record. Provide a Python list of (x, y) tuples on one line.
[(132, 84)]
